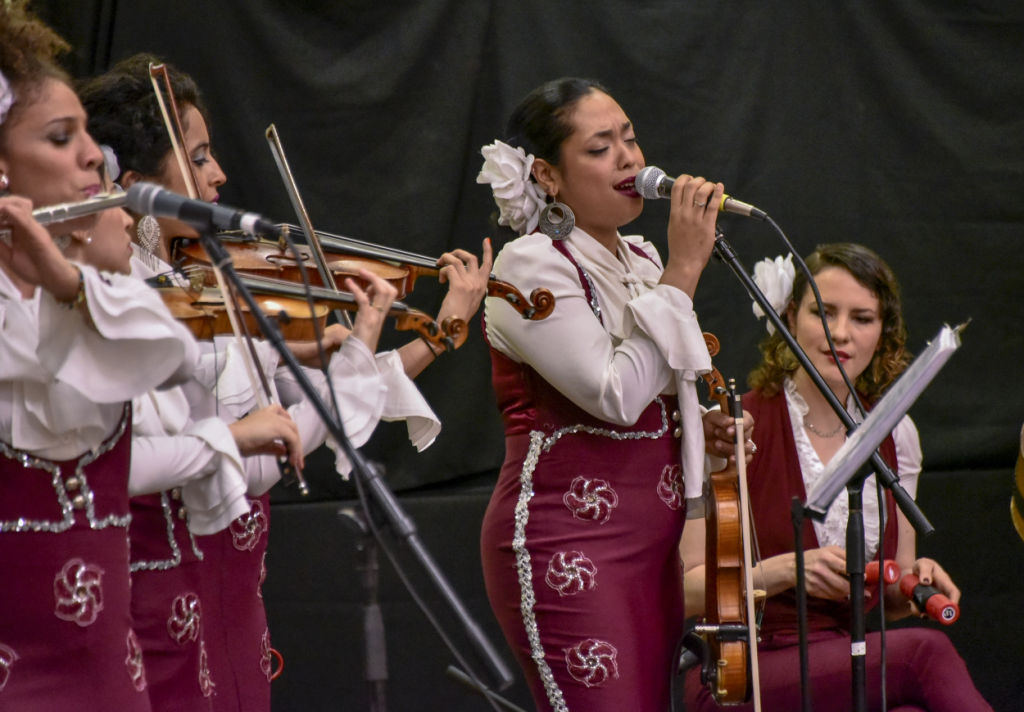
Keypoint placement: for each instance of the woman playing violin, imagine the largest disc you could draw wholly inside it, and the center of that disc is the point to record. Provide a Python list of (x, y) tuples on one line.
[(369, 387), (798, 434)]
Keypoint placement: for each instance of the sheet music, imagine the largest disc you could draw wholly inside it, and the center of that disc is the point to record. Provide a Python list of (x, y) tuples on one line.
[(882, 419)]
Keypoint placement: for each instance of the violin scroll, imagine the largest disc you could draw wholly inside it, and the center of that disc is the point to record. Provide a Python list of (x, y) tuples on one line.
[(457, 331)]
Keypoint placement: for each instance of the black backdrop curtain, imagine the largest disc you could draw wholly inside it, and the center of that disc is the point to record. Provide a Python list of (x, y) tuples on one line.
[(897, 124), (894, 124)]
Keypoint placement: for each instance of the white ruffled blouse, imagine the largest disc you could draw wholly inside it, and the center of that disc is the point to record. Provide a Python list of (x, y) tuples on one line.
[(169, 450), (368, 388), (647, 342), (62, 381), (832, 531)]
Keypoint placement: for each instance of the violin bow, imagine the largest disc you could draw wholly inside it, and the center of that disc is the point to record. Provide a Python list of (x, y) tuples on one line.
[(734, 487), (257, 377), (277, 150), (736, 408)]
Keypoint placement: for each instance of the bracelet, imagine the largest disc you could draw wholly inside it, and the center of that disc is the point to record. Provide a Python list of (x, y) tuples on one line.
[(79, 298), (430, 346)]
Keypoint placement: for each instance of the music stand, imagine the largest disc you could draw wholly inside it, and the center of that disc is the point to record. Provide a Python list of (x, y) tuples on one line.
[(850, 466)]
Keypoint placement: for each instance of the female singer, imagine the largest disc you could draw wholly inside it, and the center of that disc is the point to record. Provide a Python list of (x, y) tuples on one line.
[(369, 387), (69, 335), (598, 400), (798, 433)]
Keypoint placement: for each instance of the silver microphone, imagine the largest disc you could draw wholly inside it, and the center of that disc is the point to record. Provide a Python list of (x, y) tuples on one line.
[(69, 211), (652, 183)]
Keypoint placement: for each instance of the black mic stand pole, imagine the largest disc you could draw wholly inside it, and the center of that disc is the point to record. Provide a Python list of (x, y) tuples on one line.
[(400, 523), (375, 659), (855, 566), (855, 524)]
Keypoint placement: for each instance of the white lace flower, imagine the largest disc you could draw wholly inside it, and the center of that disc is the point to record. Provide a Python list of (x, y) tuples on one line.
[(775, 279), (519, 199), (6, 97)]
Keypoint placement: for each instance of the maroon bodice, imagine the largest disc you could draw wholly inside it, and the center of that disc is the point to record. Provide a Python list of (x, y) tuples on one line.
[(774, 478)]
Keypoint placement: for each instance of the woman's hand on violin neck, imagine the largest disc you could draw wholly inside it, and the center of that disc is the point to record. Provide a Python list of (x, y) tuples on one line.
[(374, 304), (269, 431), (720, 435), (691, 231), (467, 279)]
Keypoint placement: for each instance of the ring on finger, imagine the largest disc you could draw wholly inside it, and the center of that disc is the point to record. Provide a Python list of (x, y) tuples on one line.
[(698, 205)]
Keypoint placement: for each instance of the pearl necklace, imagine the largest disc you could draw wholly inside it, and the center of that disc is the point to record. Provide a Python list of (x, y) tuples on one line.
[(829, 434)]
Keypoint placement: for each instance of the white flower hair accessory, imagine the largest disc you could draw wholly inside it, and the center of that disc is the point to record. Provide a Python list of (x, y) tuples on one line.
[(6, 97), (519, 199), (775, 279), (113, 168)]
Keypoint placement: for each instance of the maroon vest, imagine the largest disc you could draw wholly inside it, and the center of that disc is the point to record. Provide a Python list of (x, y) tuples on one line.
[(774, 478)]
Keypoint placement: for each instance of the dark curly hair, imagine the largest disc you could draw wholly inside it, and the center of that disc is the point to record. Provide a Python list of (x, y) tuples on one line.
[(124, 114), (540, 123), (891, 357), (28, 54)]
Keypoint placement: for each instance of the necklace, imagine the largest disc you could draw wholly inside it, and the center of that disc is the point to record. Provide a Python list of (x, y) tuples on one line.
[(830, 434)]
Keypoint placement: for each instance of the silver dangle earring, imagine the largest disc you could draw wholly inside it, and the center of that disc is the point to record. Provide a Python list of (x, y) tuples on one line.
[(556, 220), (5, 184), (148, 231)]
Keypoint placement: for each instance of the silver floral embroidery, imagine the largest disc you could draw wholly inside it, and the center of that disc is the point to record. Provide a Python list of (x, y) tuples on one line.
[(185, 619), (266, 659), (136, 670), (7, 660), (592, 662), (78, 590), (570, 572), (539, 443), (671, 488), (58, 482), (172, 542), (591, 499), (248, 528), (205, 681)]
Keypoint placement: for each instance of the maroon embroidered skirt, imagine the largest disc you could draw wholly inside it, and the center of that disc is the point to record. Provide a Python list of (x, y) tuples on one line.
[(66, 640), (580, 556)]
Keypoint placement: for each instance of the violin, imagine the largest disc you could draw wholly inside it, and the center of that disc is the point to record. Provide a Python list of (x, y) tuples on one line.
[(730, 626), (539, 306), (204, 313), (399, 268), (357, 253), (203, 310), (273, 259)]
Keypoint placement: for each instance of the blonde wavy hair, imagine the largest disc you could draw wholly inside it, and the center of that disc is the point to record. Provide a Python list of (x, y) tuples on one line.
[(891, 357)]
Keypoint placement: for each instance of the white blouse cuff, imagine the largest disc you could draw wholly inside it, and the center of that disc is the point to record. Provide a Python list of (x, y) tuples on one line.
[(666, 315), (405, 402), (216, 499)]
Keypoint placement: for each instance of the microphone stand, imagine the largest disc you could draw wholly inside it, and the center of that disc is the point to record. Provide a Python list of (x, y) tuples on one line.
[(400, 523), (855, 563), (375, 667)]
